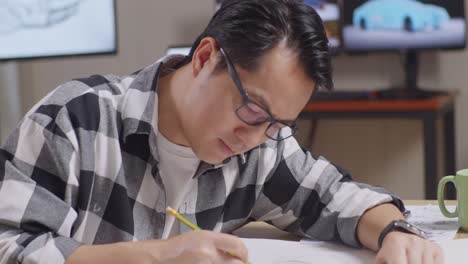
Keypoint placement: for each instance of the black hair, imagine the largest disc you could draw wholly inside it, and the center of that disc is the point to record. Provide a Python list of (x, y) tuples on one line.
[(248, 29)]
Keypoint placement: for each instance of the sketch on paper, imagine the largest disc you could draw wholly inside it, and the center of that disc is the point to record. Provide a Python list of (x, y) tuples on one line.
[(20, 14)]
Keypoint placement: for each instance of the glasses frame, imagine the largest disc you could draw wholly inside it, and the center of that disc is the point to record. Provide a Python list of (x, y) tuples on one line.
[(246, 100)]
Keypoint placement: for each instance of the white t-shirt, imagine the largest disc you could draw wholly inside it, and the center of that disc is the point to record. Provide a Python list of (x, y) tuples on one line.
[(177, 165)]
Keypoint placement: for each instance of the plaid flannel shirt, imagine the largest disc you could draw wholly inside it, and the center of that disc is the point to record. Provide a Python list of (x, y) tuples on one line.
[(82, 168)]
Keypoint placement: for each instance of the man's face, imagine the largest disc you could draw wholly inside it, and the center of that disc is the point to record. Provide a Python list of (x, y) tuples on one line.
[(210, 123)]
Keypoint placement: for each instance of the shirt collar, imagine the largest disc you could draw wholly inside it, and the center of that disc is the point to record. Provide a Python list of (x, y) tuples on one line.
[(140, 102)]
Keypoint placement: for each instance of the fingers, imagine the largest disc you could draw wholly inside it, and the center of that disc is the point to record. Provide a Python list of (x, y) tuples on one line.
[(428, 257), (212, 246), (439, 258), (189, 257), (409, 249), (391, 256), (425, 252), (416, 248), (231, 245), (438, 254)]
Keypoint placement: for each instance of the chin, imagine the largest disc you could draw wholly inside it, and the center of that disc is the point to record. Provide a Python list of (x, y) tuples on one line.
[(215, 154), (212, 158)]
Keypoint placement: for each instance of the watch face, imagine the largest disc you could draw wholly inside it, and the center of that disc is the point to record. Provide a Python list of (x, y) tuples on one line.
[(410, 228), (403, 226)]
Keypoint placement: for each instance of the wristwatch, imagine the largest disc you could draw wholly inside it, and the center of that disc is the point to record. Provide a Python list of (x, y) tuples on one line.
[(403, 226)]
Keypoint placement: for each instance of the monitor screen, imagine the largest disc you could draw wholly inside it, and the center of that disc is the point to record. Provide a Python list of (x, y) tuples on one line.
[(180, 50), (328, 10), (50, 28), (403, 24)]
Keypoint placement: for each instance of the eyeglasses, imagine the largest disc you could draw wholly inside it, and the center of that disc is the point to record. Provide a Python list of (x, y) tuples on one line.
[(253, 114)]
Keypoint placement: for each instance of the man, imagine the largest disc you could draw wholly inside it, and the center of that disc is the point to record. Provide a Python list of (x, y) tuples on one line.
[(87, 175)]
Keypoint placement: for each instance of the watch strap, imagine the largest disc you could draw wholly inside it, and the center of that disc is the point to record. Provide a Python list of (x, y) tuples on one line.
[(399, 225)]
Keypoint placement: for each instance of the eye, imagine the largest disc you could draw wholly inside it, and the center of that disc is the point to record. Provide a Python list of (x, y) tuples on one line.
[(254, 109)]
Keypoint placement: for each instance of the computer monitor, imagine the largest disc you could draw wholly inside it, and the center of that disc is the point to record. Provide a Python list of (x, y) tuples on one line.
[(406, 26), (50, 28), (372, 25), (179, 49), (328, 11)]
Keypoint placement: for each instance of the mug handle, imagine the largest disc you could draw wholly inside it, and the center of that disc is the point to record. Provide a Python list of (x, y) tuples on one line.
[(440, 196)]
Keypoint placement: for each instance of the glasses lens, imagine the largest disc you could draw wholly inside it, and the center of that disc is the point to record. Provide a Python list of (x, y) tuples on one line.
[(252, 114)]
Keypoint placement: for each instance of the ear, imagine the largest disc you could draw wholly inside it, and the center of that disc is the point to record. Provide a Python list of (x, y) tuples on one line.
[(205, 55)]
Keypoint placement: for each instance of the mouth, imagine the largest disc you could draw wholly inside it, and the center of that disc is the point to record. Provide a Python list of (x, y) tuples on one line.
[(226, 149)]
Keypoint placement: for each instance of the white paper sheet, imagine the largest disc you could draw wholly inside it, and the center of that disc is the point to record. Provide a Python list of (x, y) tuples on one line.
[(454, 250), (440, 229), (430, 219), (267, 251)]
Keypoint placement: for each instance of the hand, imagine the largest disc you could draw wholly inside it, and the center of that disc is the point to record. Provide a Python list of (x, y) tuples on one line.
[(206, 247), (403, 248), (193, 247)]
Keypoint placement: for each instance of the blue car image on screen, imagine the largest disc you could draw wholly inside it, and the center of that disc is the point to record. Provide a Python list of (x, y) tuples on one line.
[(314, 2), (408, 15)]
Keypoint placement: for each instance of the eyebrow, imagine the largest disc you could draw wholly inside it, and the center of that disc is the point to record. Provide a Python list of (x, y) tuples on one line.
[(263, 102)]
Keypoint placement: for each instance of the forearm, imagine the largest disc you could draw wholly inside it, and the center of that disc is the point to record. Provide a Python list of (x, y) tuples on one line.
[(373, 221), (118, 253), (94, 254), (192, 247)]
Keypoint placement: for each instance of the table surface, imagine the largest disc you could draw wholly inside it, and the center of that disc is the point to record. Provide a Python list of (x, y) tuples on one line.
[(460, 233), (264, 230), (434, 103)]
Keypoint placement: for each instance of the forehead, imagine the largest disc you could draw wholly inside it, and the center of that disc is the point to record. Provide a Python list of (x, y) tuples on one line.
[(280, 80)]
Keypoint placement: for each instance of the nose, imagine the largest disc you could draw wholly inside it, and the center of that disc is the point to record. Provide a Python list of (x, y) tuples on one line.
[(251, 136)]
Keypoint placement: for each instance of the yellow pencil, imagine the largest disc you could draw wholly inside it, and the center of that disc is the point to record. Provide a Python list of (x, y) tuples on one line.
[(190, 224)]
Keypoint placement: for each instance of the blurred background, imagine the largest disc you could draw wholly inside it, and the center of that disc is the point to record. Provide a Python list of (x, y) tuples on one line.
[(385, 152)]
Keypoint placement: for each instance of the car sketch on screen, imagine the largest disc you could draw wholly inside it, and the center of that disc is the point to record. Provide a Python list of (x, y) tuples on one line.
[(18, 14), (403, 24), (52, 28), (409, 15)]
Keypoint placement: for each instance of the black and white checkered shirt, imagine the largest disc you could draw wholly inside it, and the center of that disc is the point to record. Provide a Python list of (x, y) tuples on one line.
[(82, 167)]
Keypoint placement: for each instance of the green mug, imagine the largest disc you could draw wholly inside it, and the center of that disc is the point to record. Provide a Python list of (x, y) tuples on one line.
[(460, 180)]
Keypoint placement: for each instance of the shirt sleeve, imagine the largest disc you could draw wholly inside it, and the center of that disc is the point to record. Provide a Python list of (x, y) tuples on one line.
[(311, 197), (38, 186)]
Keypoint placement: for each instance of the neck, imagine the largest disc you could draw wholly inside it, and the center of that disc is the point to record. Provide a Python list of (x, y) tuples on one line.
[(170, 93)]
